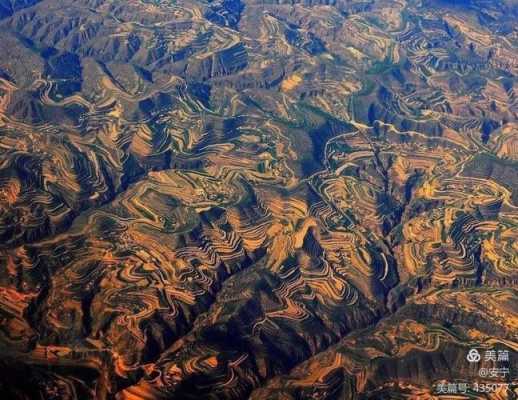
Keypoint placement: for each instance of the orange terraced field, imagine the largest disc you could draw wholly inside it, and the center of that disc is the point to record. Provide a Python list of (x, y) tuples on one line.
[(258, 199)]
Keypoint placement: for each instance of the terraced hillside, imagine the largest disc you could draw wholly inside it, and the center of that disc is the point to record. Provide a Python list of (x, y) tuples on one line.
[(258, 199)]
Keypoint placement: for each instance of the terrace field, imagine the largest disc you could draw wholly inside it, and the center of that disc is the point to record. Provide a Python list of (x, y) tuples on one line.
[(257, 199)]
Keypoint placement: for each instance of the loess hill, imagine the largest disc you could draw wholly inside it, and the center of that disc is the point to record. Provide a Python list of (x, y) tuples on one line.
[(256, 199)]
